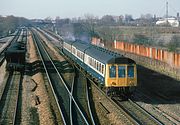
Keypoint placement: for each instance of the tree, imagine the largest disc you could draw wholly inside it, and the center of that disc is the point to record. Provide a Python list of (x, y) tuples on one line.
[(107, 19), (10, 23), (128, 18), (143, 39), (89, 24)]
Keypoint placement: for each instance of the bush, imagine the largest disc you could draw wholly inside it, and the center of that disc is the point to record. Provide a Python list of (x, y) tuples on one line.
[(142, 40), (174, 44)]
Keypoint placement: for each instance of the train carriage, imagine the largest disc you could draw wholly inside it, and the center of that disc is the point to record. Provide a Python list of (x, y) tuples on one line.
[(113, 71), (78, 49), (116, 73), (67, 48)]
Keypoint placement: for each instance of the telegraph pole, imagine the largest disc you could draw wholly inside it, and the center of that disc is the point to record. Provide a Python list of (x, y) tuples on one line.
[(166, 9), (167, 14)]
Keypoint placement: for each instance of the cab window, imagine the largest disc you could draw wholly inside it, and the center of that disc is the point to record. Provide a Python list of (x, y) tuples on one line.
[(121, 71), (112, 71), (130, 71)]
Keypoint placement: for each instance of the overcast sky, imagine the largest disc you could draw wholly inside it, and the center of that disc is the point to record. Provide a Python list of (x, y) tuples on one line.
[(77, 8)]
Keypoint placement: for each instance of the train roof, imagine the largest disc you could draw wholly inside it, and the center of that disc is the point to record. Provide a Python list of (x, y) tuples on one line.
[(82, 46), (101, 54), (98, 55), (121, 60), (107, 56)]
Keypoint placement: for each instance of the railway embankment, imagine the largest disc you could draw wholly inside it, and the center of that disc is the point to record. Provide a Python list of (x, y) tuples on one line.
[(152, 58)]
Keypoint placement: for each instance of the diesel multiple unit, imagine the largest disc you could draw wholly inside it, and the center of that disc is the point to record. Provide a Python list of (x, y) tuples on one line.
[(111, 70)]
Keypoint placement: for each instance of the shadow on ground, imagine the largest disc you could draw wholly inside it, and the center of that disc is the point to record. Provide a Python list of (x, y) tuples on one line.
[(158, 87), (37, 66)]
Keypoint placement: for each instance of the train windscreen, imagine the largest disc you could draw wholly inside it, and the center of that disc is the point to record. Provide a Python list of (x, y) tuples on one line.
[(121, 71), (130, 71), (112, 71)]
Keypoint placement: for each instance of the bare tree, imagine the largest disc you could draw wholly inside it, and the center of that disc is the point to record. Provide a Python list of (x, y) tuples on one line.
[(90, 21), (107, 20)]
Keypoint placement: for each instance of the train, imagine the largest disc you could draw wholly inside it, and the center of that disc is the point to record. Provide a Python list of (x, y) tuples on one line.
[(15, 54), (112, 71)]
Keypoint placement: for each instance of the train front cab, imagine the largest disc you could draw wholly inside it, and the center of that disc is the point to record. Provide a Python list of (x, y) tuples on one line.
[(121, 78)]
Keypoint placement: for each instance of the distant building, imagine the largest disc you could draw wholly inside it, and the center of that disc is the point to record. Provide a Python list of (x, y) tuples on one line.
[(168, 21)]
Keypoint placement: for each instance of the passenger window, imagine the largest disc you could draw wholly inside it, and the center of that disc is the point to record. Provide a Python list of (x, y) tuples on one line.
[(90, 61), (121, 71), (97, 66), (102, 69), (112, 71), (130, 71)]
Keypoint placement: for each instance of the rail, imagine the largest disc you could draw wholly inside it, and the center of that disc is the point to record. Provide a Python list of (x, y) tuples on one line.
[(2, 55), (89, 105), (10, 99), (47, 34), (163, 100), (49, 80), (146, 112), (126, 114), (103, 93), (72, 86), (136, 112), (81, 95)]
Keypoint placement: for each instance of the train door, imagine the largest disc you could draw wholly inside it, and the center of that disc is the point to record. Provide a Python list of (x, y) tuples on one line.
[(131, 75), (121, 77), (111, 75)]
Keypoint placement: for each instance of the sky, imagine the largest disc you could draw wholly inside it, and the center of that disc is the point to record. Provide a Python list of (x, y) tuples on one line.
[(41, 9)]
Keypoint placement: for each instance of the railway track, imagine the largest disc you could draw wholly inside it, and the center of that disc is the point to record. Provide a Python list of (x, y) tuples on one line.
[(79, 90), (136, 112), (61, 91), (80, 93), (9, 100), (172, 119), (16, 37)]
